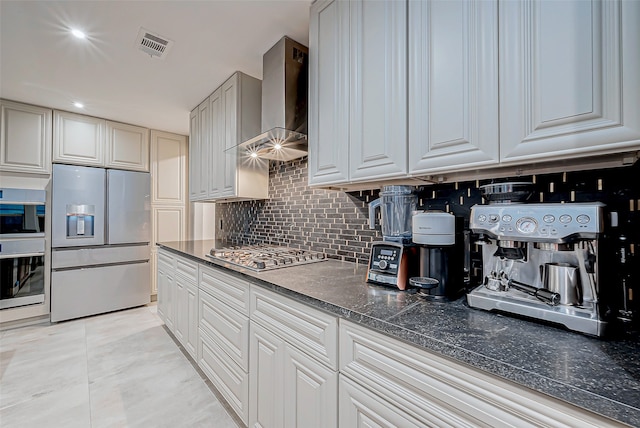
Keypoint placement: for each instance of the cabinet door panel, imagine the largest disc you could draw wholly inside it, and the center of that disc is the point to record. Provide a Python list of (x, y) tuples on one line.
[(180, 309), (310, 392), (169, 224), (328, 92), (378, 90), (230, 120), (567, 69), (228, 328), (204, 122), (194, 156), (216, 150), (127, 147), (360, 408), (25, 142), (78, 139), (191, 337), (168, 168), (226, 376), (265, 380), (453, 85)]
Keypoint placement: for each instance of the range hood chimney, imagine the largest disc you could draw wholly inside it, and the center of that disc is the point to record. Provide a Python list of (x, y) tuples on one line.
[(285, 81)]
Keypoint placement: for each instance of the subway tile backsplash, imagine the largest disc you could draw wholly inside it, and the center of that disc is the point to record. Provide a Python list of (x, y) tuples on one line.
[(337, 224)]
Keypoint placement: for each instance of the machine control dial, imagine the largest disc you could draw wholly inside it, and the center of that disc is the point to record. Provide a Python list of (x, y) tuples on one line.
[(583, 219), (506, 218), (565, 218), (482, 218), (548, 218), (493, 218), (527, 225), (383, 264)]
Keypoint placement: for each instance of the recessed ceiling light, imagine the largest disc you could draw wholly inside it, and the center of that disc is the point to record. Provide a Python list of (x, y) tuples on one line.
[(79, 34), (79, 105)]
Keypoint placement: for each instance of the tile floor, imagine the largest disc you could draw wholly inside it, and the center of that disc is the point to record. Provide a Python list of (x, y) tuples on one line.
[(114, 370)]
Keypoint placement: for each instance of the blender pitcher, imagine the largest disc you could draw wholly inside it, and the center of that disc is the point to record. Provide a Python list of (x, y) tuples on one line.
[(397, 204)]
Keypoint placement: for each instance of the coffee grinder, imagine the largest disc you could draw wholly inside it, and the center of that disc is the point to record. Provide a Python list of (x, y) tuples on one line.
[(440, 239)]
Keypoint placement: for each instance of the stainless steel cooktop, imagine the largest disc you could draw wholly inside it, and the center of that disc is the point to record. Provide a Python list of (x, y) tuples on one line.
[(265, 257)]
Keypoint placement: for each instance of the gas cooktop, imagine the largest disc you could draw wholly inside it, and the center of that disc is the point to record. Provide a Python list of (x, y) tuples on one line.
[(265, 257)]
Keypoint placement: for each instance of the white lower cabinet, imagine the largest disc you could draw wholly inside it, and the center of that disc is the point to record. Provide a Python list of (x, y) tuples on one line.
[(178, 298), (282, 363), (360, 408), (166, 288), (223, 349), (387, 383), (292, 380)]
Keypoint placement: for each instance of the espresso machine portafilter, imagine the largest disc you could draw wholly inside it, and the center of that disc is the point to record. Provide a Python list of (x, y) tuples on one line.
[(541, 261)]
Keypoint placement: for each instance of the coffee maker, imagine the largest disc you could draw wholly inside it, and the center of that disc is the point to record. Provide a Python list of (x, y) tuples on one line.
[(541, 261), (440, 239), (391, 261)]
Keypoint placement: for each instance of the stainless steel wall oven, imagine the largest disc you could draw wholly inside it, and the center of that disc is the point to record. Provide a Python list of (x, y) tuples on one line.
[(22, 247)]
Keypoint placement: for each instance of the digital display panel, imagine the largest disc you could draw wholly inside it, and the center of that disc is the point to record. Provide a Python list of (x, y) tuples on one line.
[(386, 252)]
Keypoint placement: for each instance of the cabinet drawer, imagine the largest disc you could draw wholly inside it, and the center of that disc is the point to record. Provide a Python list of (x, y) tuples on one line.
[(226, 376), (166, 258), (310, 330), (225, 288), (430, 387), (187, 268), (228, 328)]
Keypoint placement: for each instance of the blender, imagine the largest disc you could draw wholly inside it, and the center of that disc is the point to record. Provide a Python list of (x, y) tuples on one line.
[(390, 261)]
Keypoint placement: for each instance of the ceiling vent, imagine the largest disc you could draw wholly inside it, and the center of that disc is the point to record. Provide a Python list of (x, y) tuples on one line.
[(153, 44)]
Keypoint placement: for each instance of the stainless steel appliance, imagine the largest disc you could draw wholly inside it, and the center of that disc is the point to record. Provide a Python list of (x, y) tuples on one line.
[(22, 247), (100, 240), (391, 262), (440, 241), (396, 204), (541, 261), (264, 257), (285, 81), (22, 213)]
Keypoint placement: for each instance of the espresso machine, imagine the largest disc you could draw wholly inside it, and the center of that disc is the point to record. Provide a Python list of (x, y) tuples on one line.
[(440, 240), (541, 261), (391, 261)]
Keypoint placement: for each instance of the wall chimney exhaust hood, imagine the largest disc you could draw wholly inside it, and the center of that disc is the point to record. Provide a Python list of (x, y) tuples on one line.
[(285, 82)]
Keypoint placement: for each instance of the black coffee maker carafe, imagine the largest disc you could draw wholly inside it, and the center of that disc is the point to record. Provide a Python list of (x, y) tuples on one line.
[(440, 240)]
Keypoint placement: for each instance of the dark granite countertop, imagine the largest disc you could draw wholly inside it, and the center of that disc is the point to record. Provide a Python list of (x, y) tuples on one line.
[(599, 375)]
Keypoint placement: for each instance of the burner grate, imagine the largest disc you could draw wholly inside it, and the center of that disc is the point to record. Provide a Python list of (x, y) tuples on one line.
[(260, 257)]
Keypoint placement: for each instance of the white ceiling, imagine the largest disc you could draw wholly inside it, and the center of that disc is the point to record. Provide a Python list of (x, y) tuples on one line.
[(42, 63)]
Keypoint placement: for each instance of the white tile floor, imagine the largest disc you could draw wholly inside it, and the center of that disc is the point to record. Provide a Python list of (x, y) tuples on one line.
[(115, 370)]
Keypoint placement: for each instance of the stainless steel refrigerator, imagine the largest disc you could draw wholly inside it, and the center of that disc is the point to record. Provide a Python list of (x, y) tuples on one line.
[(100, 233)]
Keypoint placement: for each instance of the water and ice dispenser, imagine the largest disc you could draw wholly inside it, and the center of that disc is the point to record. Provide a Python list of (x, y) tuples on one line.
[(80, 221)]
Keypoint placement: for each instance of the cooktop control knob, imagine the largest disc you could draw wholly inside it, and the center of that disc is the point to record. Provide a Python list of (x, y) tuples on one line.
[(383, 264)]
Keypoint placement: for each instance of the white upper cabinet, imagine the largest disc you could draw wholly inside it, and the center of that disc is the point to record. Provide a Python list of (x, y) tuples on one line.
[(127, 147), (194, 152), (569, 78), (90, 141), (228, 117), (78, 139), (168, 168), (25, 139), (216, 138), (198, 152), (453, 84), (358, 105), (328, 92), (377, 89)]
